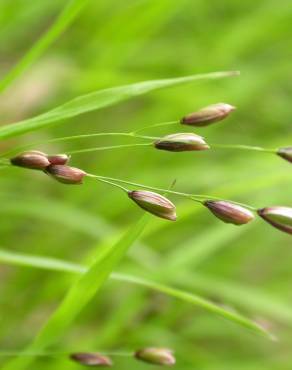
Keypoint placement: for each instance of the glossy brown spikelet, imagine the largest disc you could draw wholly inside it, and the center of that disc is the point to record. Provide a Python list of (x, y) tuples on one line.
[(66, 174), (154, 203), (58, 159), (229, 212), (279, 217), (285, 153), (156, 356), (93, 359), (181, 142), (32, 159), (208, 115)]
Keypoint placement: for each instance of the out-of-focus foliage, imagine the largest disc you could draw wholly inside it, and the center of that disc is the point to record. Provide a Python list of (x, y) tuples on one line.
[(113, 43)]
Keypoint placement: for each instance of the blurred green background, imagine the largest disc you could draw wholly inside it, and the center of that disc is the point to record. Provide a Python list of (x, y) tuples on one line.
[(248, 268)]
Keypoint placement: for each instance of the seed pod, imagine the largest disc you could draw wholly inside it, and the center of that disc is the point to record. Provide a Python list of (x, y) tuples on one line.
[(91, 359), (229, 212), (157, 356), (66, 174), (181, 142), (58, 159), (206, 116), (154, 203), (279, 217), (32, 159), (285, 153)]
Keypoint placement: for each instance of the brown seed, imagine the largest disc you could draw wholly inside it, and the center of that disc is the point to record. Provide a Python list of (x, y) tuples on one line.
[(279, 217), (229, 212), (58, 159), (154, 203), (32, 159), (206, 116), (181, 142), (66, 174), (91, 359), (156, 356), (285, 153)]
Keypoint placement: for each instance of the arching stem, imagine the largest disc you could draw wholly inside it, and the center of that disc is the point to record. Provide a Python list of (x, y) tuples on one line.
[(195, 197), (88, 150), (155, 125), (243, 147), (60, 353)]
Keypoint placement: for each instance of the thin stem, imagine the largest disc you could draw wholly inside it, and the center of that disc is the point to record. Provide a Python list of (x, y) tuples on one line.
[(139, 185), (243, 147), (195, 197), (65, 18), (108, 182), (131, 134), (77, 137), (155, 125), (88, 150), (60, 353), (4, 162)]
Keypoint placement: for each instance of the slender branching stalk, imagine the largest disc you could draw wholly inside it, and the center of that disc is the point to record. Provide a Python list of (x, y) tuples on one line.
[(101, 148), (134, 135), (200, 198), (80, 137), (171, 123), (60, 353), (243, 147)]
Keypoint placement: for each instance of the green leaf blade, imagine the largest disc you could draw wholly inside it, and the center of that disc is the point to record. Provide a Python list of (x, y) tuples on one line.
[(98, 100), (82, 291), (67, 16), (58, 265)]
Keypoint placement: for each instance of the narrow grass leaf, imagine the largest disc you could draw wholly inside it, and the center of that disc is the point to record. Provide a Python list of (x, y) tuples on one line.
[(196, 300), (66, 17), (98, 100), (239, 294), (80, 294), (59, 265)]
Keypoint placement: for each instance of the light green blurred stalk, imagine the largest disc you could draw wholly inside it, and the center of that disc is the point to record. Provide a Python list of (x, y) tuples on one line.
[(67, 16)]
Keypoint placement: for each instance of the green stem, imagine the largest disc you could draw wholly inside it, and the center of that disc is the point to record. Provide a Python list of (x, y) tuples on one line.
[(139, 185), (130, 134), (77, 137), (88, 150), (60, 353), (200, 198), (4, 162), (69, 13), (155, 125), (243, 147), (108, 182)]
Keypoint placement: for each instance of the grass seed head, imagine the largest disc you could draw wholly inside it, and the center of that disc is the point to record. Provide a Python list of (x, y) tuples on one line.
[(66, 174), (91, 359), (181, 142), (279, 217), (58, 159), (154, 203), (32, 159), (206, 116), (229, 212), (156, 356), (285, 153)]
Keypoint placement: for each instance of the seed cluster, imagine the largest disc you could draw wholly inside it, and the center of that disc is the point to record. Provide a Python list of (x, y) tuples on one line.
[(151, 355), (56, 166), (53, 165)]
